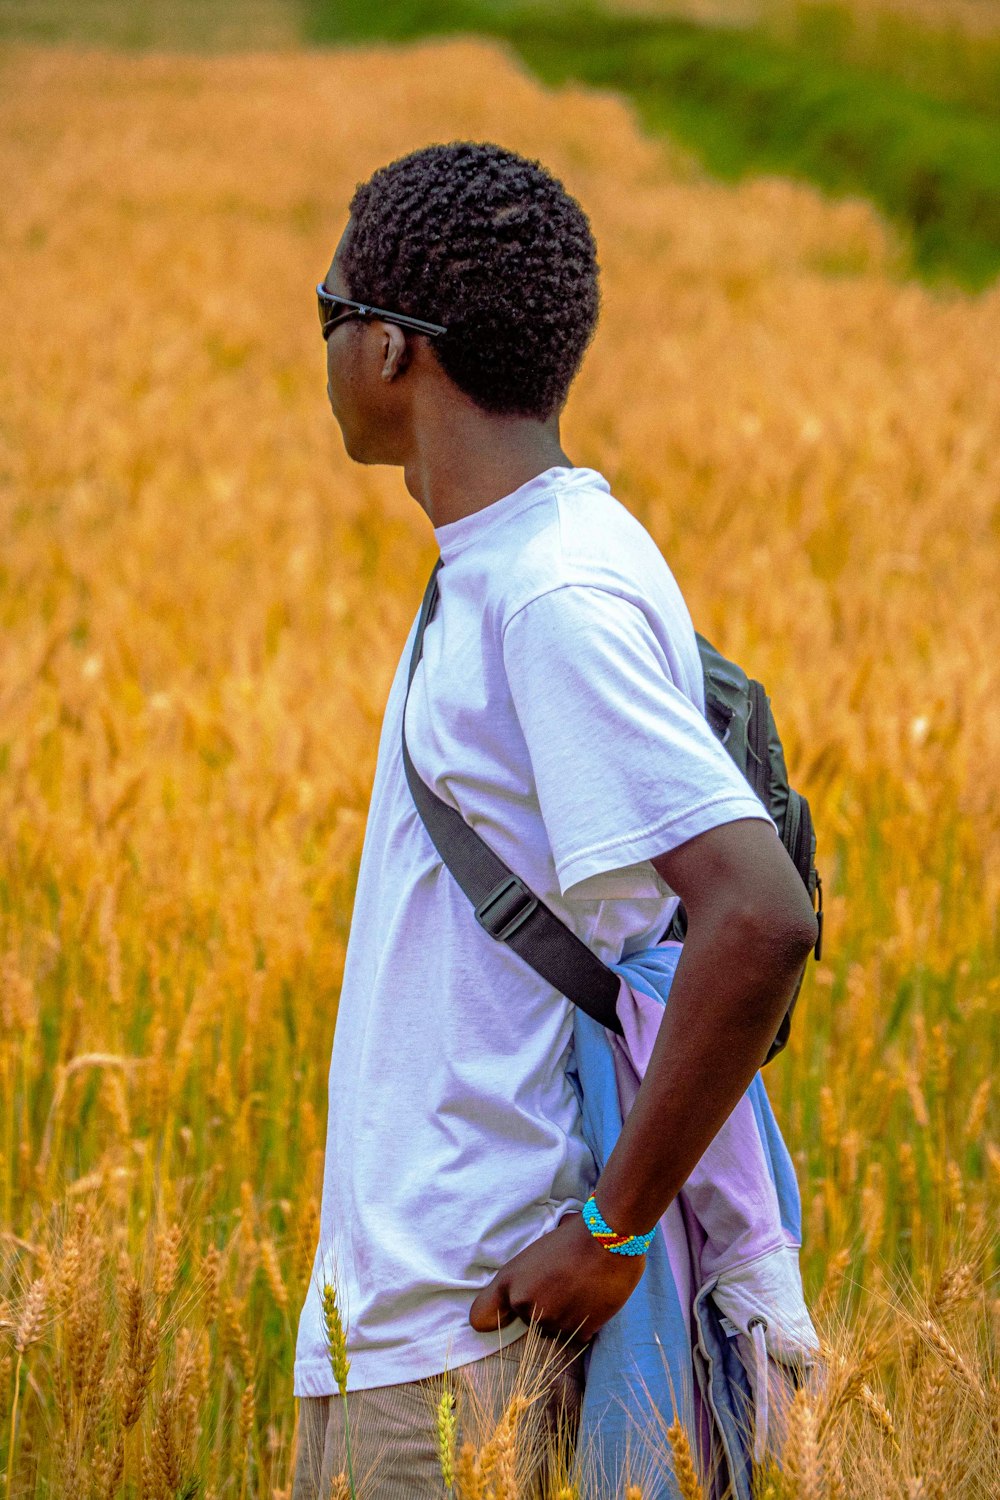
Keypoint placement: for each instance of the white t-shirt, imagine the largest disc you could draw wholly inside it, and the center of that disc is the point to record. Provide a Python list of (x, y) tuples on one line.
[(559, 707)]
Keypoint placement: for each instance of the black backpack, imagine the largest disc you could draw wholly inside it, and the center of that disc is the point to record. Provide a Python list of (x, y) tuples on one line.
[(739, 713)]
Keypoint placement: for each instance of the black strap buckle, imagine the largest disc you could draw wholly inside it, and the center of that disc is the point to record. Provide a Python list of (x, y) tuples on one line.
[(818, 950), (506, 908)]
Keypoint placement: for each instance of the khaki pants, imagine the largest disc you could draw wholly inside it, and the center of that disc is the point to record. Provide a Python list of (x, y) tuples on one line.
[(393, 1428)]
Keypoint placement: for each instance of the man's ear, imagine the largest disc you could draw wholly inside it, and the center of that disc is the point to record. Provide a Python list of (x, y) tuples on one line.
[(395, 351)]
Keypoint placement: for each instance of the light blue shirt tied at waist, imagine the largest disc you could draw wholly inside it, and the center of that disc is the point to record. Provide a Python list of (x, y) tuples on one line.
[(720, 1304)]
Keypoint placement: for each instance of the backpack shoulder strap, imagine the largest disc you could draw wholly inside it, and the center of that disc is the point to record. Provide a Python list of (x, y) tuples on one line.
[(503, 905)]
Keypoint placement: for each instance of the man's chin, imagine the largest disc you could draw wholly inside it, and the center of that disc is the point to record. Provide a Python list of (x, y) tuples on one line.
[(353, 446), (363, 452)]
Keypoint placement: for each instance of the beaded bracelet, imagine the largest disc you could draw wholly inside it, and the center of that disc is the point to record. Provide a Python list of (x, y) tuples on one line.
[(618, 1244)]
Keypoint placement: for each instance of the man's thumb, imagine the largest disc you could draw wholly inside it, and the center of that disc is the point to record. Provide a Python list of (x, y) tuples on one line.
[(491, 1309)]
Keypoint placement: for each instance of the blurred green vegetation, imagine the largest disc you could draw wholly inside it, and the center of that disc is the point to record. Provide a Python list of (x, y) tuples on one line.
[(933, 51), (748, 102)]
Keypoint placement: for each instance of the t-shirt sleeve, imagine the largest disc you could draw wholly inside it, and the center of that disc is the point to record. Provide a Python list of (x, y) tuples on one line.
[(625, 764)]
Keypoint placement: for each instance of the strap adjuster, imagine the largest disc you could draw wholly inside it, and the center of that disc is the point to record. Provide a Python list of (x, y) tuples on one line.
[(818, 950), (506, 908)]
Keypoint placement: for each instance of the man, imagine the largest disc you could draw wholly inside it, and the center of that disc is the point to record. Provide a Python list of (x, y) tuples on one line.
[(559, 707)]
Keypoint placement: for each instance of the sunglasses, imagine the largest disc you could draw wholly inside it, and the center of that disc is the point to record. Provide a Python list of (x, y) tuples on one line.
[(334, 310)]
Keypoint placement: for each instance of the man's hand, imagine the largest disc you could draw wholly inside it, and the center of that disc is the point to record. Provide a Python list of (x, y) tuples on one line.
[(566, 1281)]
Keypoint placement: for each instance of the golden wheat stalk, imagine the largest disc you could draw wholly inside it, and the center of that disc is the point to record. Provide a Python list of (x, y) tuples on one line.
[(801, 1455), (138, 1371), (234, 1339), (498, 1457), (956, 1285), (272, 1274), (877, 1410), (685, 1472), (166, 1462), (27, 1332), (940, 1342), (469, 1481), (167, 1253)]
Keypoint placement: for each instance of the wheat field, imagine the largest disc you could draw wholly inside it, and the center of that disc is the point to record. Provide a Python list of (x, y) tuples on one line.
[(201, 606)]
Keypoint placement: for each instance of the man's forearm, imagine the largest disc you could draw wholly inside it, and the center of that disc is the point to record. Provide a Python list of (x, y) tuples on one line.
[(731, 988), (750, 929)]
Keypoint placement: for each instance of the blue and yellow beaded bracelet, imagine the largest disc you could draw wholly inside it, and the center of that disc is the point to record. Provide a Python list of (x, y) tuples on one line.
[(618, 1244)]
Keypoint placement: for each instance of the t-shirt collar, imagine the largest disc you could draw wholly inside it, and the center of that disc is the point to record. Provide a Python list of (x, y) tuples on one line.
[(456, 536)]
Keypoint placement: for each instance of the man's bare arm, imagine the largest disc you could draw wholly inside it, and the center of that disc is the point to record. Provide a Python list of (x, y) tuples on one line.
[(750, 929)]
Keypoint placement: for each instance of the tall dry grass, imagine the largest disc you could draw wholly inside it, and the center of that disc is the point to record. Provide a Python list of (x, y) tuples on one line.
[(201, 604)]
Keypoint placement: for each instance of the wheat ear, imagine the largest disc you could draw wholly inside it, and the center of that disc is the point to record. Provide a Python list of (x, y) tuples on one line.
[(336, 1340), (469, 1483), (939, 1340), (686, 1474), (447, 1431), (27, 1332), (801, 1457)]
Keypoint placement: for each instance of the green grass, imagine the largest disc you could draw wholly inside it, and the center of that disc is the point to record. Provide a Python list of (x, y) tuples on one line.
[(748, 103), (942, 58)]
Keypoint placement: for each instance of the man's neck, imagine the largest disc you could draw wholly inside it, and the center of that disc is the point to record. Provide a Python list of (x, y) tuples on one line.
[(463, 460)]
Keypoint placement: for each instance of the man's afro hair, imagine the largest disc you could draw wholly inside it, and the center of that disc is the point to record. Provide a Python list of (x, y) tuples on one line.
[(491, 245)]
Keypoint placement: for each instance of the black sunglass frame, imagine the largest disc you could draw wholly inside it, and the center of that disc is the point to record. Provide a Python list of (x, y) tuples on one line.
[(329, 319)]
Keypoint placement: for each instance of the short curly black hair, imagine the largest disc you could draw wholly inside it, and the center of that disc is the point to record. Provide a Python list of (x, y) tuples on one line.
[(491, 245)]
